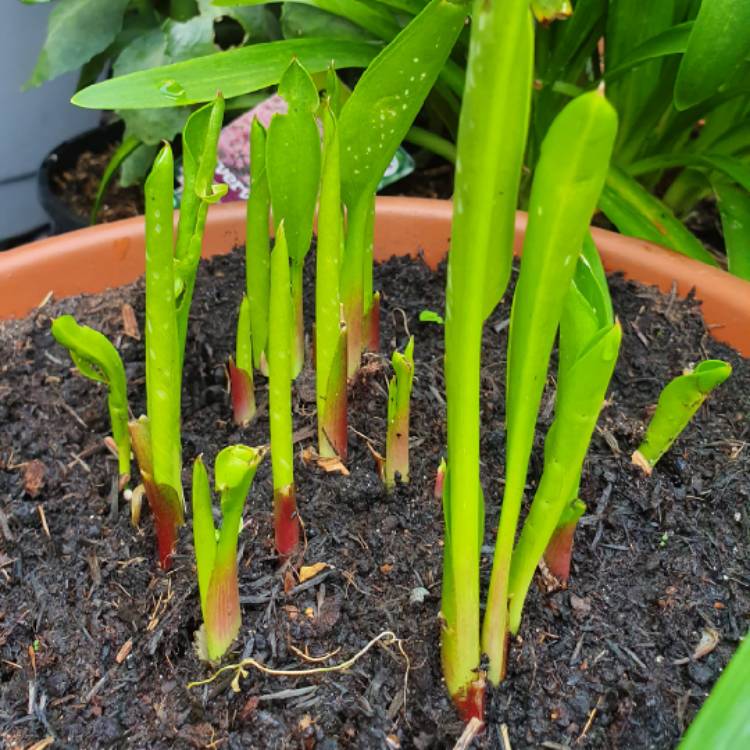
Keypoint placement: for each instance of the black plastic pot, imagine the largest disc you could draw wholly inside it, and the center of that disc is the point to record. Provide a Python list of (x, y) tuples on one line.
[(63, 157)]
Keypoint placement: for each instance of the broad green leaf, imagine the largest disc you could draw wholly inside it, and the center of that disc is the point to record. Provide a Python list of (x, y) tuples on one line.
[(722, 723), (727, 165), (734, 207), (390, 93), (637, 213), (77, 30), (672, 41), (369, 16), (234, 72), (299, 20), (718, 44)]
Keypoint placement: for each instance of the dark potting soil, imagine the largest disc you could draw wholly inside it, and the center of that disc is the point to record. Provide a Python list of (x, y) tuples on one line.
[(96, 643), (78, 186)]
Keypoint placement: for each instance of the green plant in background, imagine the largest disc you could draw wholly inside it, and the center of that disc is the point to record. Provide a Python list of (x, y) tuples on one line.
[(678, 402), (293, 170), (216, 550), (722, 723), (330, 333), (399, 402), (96, 358), (241, 369), (589, 344), (95, 36), (258, 246), (491, 141), (285, 515)]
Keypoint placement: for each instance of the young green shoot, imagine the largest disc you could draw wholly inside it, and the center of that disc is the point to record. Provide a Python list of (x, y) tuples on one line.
[(678, 402), (241, 369), (258, 246), (293, 168), (156, 437), (330, 334), (96, 358), (567, 183), (285, 516), (491, 142), (589, 344), (399, 402), (373, 122), (199, 139), (216, 550)]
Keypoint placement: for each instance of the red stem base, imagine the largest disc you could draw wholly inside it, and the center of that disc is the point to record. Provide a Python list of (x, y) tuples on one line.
[(559, 551), (285, 520)]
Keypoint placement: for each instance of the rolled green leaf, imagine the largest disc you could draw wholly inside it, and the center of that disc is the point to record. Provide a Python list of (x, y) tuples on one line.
[(216, 553), (286, 521), (96, 358), (258, 245), (199, 139), (330, 355), (580, 395), (492, 133), (399, 403), (567, 183), (678, 402), (163, 358), (293, 168), (241, 370)]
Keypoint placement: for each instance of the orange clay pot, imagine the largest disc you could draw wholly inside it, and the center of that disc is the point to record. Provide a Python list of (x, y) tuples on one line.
[(108, 255)]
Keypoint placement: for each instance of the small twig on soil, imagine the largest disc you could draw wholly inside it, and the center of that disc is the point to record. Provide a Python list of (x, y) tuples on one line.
[(505, 737), (43, 519), (589, 721), (73, 413), (387, 636), (471, 730)]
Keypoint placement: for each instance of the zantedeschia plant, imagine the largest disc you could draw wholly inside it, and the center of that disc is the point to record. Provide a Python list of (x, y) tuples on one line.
[(96, 357), (216, 550), (241, 368), (285, 516), (678, 402), (399, 402), (293, 169)]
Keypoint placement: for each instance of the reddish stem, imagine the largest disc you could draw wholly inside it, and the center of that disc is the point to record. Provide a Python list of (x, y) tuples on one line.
[(163, 502), (560, 550), (243, 394), (470, 702), (372, 324), (286, 520)]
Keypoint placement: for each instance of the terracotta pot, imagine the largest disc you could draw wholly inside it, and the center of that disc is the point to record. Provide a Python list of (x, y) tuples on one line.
[(108, 255)]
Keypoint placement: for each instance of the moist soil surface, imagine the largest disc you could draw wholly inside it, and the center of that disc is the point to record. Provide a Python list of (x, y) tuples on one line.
[(96, 644)]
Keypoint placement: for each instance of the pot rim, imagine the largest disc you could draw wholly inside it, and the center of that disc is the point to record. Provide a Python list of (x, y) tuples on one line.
[(108, 255)]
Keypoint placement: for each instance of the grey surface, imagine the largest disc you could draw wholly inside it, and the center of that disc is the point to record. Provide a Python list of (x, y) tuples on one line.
[(31, 122)]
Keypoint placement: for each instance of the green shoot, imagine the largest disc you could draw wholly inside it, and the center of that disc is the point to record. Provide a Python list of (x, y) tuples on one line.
[(258, 245), (567, 183), (241, 369), (491, 140), (559, 552), (96, 358), (589, 344), (286, 520), (156, 437), (216, 551), (374, 121), (722, 724), (199, 139), (678, 402), (330, 335), (399, 401), (440, 480), (293, 168)]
